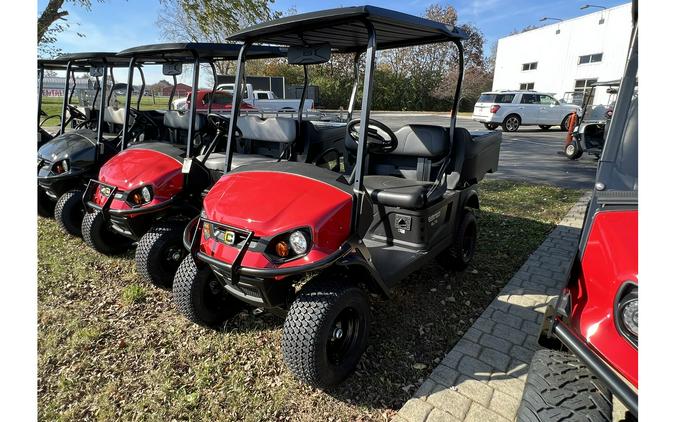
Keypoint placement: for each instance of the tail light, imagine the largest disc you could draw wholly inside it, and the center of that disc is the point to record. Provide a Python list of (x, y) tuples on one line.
[(494, 108)]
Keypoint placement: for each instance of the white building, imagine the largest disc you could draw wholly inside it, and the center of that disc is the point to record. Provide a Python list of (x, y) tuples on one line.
[(566, 56)]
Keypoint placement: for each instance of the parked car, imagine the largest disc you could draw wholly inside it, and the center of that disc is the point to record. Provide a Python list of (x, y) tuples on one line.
[(591, 333), (513, 109), (267, 100)]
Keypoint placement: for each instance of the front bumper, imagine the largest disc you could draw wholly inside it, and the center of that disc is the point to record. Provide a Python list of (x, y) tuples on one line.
[(263, 287), (56, 185), (622, 389)]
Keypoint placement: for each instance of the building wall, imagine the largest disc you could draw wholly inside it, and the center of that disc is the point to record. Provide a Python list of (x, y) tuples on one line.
[(557, 55)]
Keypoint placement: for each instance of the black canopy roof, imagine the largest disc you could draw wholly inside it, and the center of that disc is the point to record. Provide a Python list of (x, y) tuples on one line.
[(93, 58), (344, 30), (185, 52)]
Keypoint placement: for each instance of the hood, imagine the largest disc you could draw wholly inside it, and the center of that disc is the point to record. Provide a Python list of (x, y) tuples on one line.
[(77, 145), (137, 167), (269, 203)]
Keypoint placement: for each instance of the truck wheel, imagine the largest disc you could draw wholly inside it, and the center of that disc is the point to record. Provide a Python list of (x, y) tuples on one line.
[(572, 151), (69, 212), (160, 252), (560, 388), (491, 126), (200, 297), (96, 234), (325, 332), (45, 204), (511, 123), (565, 125), (544, 127)]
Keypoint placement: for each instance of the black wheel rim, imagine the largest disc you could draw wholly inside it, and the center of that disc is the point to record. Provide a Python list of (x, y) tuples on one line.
[(343, 335), (212, 295), (172, 257), (469, 242)]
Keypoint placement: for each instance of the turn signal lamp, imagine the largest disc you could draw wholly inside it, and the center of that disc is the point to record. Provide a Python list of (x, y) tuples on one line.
[(282, 249), (494, 108)]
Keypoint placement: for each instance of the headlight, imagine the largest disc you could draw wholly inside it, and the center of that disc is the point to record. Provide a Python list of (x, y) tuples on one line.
[(140, 196), (105, 190), (629, 316), (61, 167), (298, 242)]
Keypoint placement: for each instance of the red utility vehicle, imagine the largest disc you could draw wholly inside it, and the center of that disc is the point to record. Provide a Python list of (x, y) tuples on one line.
[(312, 243), (593, 328)]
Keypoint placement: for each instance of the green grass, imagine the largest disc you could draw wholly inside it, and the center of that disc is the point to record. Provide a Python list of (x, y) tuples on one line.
[(105, 353)]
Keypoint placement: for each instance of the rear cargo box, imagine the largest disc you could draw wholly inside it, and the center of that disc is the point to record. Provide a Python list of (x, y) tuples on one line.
[(481, 156)]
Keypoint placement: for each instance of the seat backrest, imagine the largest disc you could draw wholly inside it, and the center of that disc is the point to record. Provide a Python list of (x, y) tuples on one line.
[(419, 153), (273, 129), (114, 115), (181, 120)]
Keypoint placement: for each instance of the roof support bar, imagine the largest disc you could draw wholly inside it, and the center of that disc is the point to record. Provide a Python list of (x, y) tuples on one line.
[(112, 85), (41, 77), (236, 102), (142, 90), (193, 105), (365, 108), (304, 94), (352, 98), (215, 85), (69, 66), (101, 114), (173, 90), (127, 103)]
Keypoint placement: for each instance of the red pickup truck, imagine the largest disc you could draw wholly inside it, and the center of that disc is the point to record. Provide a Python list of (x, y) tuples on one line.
[(222, 101)]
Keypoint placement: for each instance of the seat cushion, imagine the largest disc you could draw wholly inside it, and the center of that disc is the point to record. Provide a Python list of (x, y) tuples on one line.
[(181, 120), (400, 192), (273, 129), (216, 160)]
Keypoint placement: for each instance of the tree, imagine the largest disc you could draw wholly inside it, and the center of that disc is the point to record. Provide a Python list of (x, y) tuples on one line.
[(52, 21)]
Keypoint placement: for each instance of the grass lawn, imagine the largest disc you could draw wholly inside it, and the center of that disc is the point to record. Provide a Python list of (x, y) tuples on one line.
[(52, 105), (111, 348)]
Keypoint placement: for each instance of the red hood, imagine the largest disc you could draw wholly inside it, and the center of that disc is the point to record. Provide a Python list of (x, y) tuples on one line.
[(137, 167), (269, 203)]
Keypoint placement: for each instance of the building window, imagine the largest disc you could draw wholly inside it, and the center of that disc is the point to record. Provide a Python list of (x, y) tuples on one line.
[(527, 86), (584, 86), (590, 58), (530, 66)]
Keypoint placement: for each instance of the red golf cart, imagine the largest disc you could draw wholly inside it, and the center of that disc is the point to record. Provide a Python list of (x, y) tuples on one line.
[(310, 242), (592, 331)]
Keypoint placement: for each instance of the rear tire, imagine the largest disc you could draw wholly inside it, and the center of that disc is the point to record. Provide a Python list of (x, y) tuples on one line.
[(200, 297), (560, 388), (491, 126), (511, 123), (96, 234), (69, 212), (326, 332), (159, 253), (544, 127), (458, 256), (45, 204)]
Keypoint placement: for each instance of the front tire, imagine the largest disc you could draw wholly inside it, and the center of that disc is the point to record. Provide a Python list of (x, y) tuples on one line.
[(200, 297), (159, 253), (561, 388), (97, 235), (45, 204), (491, 126), (69, 212), (511, 123), (572, 151), (326, 332)]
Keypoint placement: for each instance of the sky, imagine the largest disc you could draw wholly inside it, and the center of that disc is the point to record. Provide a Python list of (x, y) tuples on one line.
[(118, 24)]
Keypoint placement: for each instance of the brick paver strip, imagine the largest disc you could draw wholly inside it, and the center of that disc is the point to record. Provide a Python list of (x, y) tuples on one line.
[(483, 376)]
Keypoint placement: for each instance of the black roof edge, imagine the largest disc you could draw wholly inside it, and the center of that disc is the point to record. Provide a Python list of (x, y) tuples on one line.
[(185, 52)]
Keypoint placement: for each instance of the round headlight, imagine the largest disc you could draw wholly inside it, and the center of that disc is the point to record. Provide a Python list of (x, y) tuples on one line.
[(147, 194), (629, 316), (298, 242)]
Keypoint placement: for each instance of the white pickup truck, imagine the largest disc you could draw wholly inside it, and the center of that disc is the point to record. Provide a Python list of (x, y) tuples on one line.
[(267, 100)]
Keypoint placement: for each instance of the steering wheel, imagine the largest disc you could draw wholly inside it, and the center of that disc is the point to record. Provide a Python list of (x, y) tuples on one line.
[(141, 116), (76, 113), (379, 138), (222, 123)]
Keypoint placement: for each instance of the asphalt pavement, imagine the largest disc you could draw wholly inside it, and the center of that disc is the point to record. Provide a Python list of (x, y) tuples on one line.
[(530, 155)]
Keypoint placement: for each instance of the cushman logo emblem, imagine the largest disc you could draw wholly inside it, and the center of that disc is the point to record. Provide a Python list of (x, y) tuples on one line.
[(229, 237)]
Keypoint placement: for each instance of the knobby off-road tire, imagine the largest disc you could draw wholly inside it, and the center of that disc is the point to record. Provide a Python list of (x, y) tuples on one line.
[(96, 234), (200, 297), (326, 332), (69, 212), (459, 254), (560, 388), (159, 253), (45, 204)]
